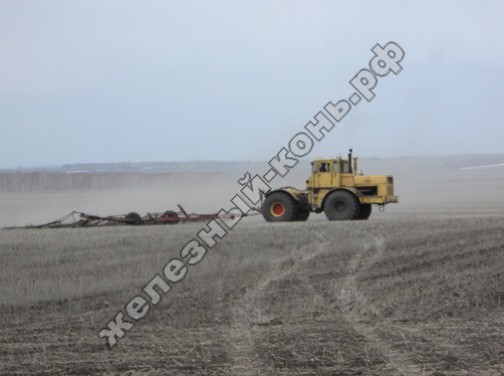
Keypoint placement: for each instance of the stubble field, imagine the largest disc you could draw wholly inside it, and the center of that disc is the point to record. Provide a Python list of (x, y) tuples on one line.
[(417, 290)]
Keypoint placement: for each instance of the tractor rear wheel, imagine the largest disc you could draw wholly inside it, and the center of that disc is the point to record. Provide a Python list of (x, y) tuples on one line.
[(341, 206), (302, 214), (279, 207), (365, 211)]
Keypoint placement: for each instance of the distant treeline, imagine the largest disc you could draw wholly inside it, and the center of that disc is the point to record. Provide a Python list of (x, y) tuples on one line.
[(50, 181)]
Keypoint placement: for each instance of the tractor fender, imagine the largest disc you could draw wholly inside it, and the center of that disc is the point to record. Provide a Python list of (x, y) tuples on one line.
[(352, 190), (296, 194)]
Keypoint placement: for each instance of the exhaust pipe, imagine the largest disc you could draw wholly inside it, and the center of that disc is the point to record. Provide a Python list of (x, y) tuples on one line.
[(350, 161)]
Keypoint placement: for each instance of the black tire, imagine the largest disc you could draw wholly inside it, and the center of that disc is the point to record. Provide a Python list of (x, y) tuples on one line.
[(170, 217), (365, 211), (302, 214), (279, 207), (341, 206), (134, 218)]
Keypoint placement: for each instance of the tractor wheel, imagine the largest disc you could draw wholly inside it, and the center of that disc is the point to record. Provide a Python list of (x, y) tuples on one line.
[(302, 214), (341, 205), (279, 207), (170, 217), (134, 218), (365, 211)]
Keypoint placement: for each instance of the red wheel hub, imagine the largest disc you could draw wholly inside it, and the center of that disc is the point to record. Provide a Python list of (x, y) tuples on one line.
[(277, 209)]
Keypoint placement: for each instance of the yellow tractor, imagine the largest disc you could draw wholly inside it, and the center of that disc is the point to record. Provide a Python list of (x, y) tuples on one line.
[(335, 188)]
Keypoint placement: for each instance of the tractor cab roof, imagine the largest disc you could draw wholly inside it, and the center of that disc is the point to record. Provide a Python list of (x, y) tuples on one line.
[(337, 159)]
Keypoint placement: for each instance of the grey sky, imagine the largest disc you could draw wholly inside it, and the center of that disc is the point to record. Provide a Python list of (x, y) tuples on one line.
[(108, 81)]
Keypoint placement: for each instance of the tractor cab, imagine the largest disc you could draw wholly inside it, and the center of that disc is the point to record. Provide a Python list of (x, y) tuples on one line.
[(328, 173), (334, 166)]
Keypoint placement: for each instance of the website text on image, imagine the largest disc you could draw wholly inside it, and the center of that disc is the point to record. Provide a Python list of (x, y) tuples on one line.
[(386, 59)]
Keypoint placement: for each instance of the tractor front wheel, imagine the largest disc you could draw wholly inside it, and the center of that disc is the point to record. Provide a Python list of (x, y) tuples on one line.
[(341, 206), (279, 207), (365, 211)]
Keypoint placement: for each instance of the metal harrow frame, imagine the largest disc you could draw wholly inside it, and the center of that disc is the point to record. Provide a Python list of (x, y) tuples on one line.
[(78, 219)]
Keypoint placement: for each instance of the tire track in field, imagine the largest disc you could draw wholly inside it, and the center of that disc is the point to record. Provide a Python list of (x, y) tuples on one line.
[(351, 295), (245, 313)]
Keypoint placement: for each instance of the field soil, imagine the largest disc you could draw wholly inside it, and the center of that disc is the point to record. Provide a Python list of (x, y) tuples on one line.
[(416, 290)]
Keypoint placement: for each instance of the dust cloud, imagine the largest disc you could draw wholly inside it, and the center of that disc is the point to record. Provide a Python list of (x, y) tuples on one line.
[(432, 184)]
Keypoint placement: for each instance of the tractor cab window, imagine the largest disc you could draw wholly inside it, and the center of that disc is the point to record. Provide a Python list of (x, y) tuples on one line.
[(346, 170), (324, 167), (340, 167)]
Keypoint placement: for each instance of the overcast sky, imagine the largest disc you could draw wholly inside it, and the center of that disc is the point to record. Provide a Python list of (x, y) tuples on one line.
[(110, 81)]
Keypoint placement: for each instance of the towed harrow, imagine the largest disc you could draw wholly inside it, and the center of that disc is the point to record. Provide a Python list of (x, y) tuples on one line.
[(77, 219)]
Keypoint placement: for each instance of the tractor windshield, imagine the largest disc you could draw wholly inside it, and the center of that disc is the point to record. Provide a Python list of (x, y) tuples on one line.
[(340, 166)]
